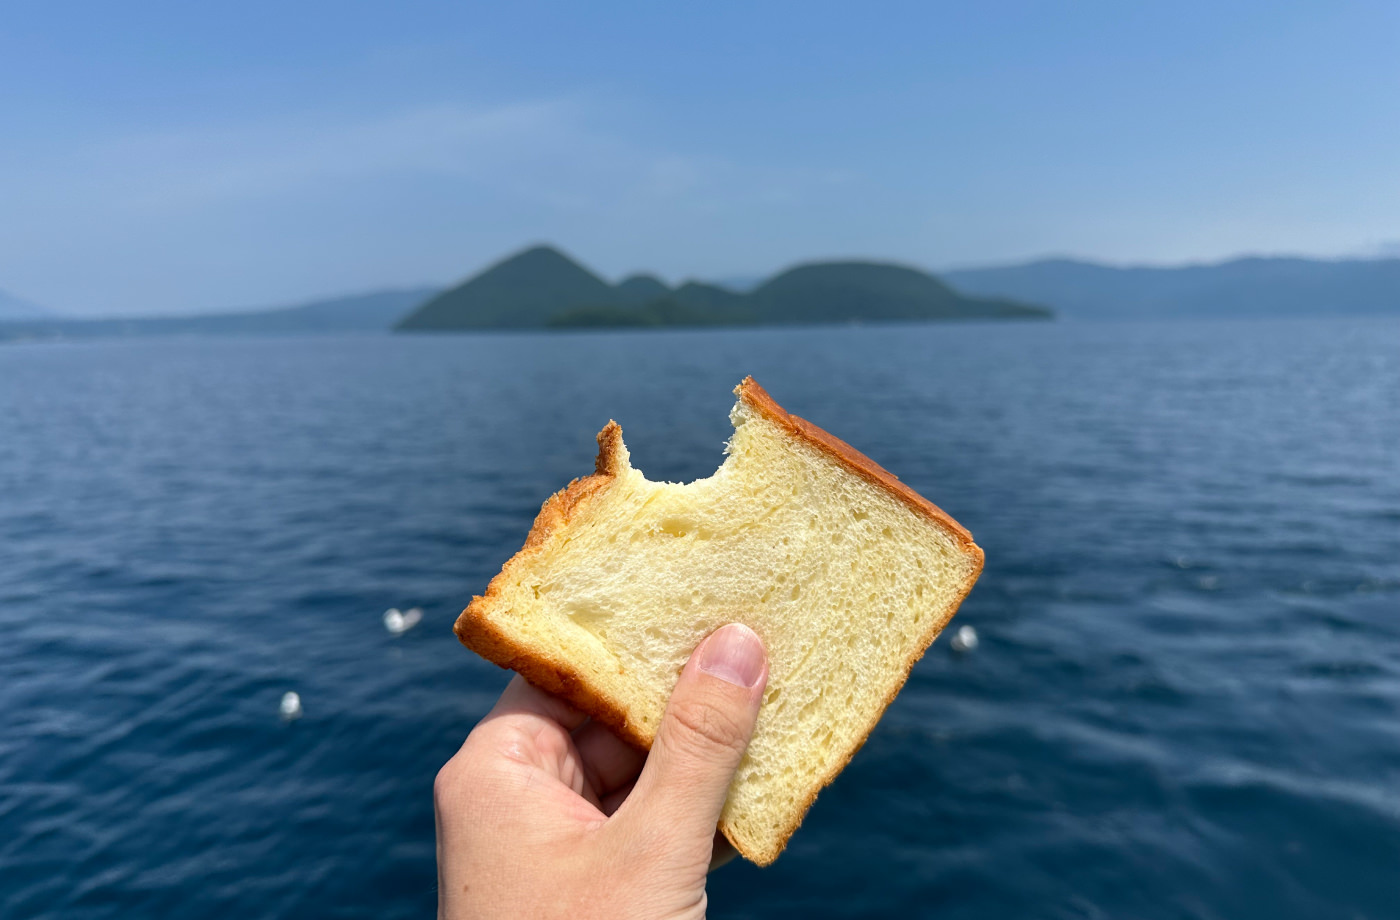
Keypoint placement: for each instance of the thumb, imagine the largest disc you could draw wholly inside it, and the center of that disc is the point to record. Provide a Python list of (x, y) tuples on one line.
[(702, 738)]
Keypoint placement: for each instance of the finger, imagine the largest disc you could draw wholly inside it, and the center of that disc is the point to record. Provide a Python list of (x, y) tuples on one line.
[(723, 852), (613, 800), (521, 696), (703, 734), (607, 759)]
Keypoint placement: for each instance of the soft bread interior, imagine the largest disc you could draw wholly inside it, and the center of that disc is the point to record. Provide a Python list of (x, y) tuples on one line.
[(845, 582)]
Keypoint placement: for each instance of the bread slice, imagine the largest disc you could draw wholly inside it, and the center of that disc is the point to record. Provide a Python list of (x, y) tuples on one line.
[(845, 573)]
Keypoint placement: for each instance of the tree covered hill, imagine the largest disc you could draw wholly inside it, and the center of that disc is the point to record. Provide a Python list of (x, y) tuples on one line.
[(543, 287)]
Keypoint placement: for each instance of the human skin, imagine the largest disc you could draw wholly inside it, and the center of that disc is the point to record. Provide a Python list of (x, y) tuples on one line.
[(544, 813)]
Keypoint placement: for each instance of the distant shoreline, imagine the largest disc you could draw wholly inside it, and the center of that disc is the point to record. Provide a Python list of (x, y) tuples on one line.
[(522, 294), (69, 331)]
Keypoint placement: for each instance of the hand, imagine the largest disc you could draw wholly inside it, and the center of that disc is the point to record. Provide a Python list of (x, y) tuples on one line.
[(543, 813)]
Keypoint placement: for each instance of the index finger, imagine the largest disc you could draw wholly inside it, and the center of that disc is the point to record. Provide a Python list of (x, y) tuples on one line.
[(521, 696)]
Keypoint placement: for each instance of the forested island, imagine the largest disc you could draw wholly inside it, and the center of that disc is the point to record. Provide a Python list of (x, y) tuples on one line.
[(543, 288)]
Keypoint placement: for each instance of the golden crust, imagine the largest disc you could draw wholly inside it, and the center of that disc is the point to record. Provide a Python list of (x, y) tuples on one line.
[(767, 857), (855, 461), (557, 676), (476, 630)]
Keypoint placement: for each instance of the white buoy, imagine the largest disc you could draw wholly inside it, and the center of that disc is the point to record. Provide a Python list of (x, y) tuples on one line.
[(399, 622), (965, 640), (291, 706)]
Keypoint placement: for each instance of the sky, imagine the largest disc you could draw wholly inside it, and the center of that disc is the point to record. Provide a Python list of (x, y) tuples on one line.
[(179, 157)]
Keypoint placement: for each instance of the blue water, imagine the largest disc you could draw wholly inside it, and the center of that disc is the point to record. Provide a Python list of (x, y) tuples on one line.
[(1186, 702)]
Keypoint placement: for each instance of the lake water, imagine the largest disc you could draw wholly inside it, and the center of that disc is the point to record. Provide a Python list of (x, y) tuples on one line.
[(1186, 702)]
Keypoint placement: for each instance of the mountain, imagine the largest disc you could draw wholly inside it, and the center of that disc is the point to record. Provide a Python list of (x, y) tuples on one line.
[(834, 292), (12, 307), (363, 313), (522, 291), (692, 304), (1239, 288), (639, 290), (544, 287), (715, 300), (741, 283), (541, 287)]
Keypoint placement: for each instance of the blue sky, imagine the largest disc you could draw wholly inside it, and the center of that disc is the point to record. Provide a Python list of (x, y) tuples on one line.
[(171, 157)]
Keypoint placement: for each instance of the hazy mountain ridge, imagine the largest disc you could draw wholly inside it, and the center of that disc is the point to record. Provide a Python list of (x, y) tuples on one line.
[(543, 287), (1254, 287), (373, 312), (12, 307), (1251, 287)]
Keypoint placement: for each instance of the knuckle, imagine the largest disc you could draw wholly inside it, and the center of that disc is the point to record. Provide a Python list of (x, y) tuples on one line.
[(457, 779), (700, 723), (447, 785)]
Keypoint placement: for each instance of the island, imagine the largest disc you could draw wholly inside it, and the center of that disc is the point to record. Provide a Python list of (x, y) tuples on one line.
[(543, 288)]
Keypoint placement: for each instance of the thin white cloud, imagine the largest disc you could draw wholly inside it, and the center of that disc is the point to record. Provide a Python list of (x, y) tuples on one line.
[(542, 150), (178, 169), (145, 214)]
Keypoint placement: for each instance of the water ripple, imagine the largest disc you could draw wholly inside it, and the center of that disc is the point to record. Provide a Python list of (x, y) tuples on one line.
[(1183, 704)]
